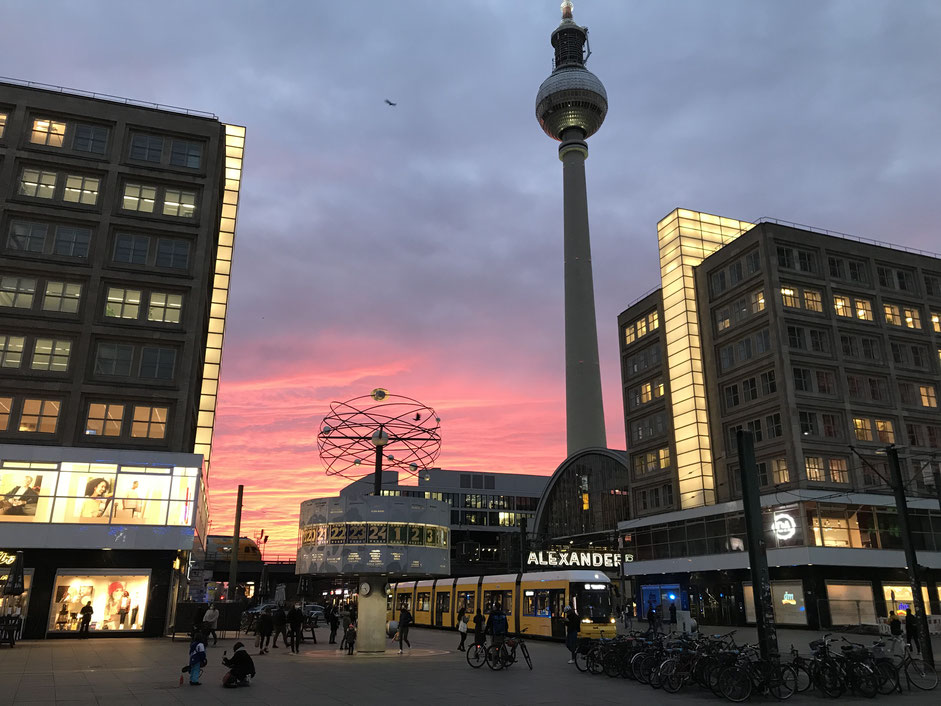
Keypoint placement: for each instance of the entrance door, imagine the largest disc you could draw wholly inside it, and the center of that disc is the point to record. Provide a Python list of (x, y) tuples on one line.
[(442, 607), (557, 610)]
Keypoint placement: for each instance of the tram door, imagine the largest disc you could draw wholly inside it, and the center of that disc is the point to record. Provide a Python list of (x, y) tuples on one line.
[(442, 607), (557, 608)]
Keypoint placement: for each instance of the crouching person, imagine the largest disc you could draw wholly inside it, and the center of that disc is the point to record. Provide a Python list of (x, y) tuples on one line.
[(241, 668)]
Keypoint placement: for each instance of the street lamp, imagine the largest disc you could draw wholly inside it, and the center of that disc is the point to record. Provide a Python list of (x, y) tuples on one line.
[(379, 439)]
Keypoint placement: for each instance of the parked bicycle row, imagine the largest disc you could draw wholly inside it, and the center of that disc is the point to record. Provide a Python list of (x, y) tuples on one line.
[(500, 653), (718, 664)]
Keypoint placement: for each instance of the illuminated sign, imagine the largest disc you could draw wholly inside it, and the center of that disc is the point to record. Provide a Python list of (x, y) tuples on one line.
[(357, 533), (784, 526), (7, 558), (788, 599), (593, 559)]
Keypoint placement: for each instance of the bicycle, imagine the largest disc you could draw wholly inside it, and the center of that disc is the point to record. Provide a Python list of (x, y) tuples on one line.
[(918, 673), (502, 655), (476, 654)]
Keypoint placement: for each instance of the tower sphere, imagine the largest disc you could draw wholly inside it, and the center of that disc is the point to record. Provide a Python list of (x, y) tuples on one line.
[(572, 96)]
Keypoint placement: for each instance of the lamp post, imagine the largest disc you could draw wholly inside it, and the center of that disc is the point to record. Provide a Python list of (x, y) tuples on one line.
[(379, 439)]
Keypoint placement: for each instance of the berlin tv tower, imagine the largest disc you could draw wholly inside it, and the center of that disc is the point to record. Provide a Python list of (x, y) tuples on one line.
[(570, 106)]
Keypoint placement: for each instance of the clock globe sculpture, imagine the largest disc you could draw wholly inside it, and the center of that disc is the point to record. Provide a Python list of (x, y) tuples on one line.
[(570, 106)]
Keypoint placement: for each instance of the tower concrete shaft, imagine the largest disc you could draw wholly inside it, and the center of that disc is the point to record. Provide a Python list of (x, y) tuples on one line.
[(584, 410)]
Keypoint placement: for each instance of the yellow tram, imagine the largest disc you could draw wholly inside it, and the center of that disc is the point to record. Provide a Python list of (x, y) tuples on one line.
[(534, 601)]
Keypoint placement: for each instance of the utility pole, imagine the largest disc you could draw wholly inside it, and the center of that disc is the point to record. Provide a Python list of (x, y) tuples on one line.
[(524, 542), (901, 504), (234, 559), (757, 551)]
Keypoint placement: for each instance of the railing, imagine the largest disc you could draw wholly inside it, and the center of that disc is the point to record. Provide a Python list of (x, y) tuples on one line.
[(644, 296), (108, 97)]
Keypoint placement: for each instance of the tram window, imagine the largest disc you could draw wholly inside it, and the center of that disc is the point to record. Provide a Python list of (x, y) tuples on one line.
[(465, 599), (592, 603), (536, 603), (424, 601), (504, 598)]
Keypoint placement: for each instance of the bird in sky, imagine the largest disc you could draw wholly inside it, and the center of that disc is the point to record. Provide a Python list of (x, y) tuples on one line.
[(388, 102)]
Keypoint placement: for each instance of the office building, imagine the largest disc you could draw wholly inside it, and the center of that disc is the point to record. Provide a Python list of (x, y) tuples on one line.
[(117, 223)]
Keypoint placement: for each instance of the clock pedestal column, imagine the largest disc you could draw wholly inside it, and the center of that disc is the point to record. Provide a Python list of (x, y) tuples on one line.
[(371, 616)]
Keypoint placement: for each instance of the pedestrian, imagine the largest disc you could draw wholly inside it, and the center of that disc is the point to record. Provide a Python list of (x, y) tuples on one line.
[(462, 626), (911, 630), (480, 625), (345, 621), (672, 616), (197, 658), (86, 612), (405, 620), (295, 619), (210, 620), (572, 625), (497, 624), (265, 625), (651, 618), (350, 638), (241, 668), (334, 621), (279, 618), (895, 625)]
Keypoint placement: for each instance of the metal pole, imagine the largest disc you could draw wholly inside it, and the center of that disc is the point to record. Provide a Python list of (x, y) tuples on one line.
[(524, 542), (901, 504), (377, 479), (234, 559), (757, 552)]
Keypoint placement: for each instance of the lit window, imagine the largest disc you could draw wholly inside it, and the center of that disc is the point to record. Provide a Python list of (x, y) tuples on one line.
[(81, 189), (123, 303), (165, 307), (177, 202), (757, 301), (6, 404), (47, 132), (172, 253), (147, 148), (104, 419), (185, 154), (157, 363), (892, 315), (3, 127), (936, 321), (114, 359), (27, 237), (51, 354), (842, 306), (790, 298), (71, 241), (90, 138), (40, 416), (863, 309), (838, 470), (131, 249), (665, 457), (912, 317), (886, 431), (929, 397), (812, 300), (814, 467), (149, 423), (17, 291), (863, 429), (11, 351), (653, 320), (139, 198), (723, 319), (629, 334), (62, 296), (781, 472), (38, 183)]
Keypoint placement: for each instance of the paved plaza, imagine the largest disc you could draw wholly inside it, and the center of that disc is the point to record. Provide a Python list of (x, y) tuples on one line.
[(147, 671)]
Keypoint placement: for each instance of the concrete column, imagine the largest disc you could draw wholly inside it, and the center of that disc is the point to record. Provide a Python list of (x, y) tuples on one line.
[(371, 617), (584, 412)]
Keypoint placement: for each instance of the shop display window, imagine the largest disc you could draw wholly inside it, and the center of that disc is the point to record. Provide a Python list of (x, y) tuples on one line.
[(26, 490), (899, 598), (851, 603), (787, 598), (118, 601), (16, 606)]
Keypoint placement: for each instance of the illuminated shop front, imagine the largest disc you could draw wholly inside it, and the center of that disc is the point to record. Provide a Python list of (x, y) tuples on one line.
[(111, 528)]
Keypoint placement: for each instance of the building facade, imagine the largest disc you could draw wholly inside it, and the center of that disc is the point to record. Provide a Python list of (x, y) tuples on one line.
[(117, 224), (827, 350)]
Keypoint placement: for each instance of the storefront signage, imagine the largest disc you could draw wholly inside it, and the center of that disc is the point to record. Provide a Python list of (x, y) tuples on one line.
[(7, 558), (375, 533), (784, 526), (593, 559)]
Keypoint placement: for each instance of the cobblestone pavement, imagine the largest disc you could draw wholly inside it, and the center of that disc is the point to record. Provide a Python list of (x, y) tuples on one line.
[(147, 671)]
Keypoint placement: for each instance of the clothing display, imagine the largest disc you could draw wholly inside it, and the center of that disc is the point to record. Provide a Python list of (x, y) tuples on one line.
[(117, 602)]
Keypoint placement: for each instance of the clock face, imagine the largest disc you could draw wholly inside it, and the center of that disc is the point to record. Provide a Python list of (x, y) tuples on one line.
[(364, 589)]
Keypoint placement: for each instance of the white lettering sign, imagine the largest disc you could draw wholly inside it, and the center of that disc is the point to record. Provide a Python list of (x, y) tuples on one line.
[(592, 559)]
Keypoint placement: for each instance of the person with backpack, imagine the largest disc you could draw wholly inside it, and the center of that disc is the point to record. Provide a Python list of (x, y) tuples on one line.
[(462, 626), (405, 620), (497, 624), (572, 625), (197, 658)]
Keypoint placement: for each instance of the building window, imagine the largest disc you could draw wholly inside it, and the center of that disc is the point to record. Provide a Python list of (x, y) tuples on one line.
[(795, 337), (90, 138), (814, 467), (750, 389), (790, 298), (808, 423), (165, 307), (773, 425), (37, 183), (123, 303), (114, 359), (173, 253), (780, 471), (731, 396), (826, 382), (62, 296), (157, 363), (819, 341), (802, 379), (17, 292), (140, 198), (912, 317), (149, 423), (51, 354), (147, 148), (862, 428), (185, 154), (131, 248), (40, 416), (831, 425), (863, 309), (641, 327), (757, 301), (27, 237), (841, 305), (6, 404), (886, 431), (104, 419), (3, 123), (936, 321), (72, 241), (929, 397), (50, 133), (81, 189), (723, 319), (180, 203), (838, 470), (768, 384), (892, 315), (11, 351), (813, 300)]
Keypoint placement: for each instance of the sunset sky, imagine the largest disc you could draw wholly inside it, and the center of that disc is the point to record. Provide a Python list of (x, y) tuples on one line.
[(419, 247)]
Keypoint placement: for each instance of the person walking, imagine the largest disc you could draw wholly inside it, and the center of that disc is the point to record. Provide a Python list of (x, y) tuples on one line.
[(462, 626), (405, 620), (334, 621), (264, 626), (86, 612), (350, 638), (345, 621), (210, 620), (497, 624), (480, 624), (279, 618), (911, 630), (197, 658), (652, 618), (895, 625), (295, 619), (572, 625)]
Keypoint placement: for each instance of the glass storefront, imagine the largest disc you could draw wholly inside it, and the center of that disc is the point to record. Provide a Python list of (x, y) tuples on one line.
[(97, 493), (118, 600), (788, 601), (899, 598), (851, 603)]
